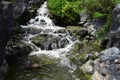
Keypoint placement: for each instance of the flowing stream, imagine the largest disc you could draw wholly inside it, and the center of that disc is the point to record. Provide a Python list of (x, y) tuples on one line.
[(54, 49), (57, 49)]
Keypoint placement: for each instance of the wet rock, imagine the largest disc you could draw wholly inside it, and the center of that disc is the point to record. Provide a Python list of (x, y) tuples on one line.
[(39, 40), (78, 31), (32, 65), (63, 43), (40, 60), (82, 33), (46, 41), (18, 49), (49, 41), (32, 31), (61, 31)]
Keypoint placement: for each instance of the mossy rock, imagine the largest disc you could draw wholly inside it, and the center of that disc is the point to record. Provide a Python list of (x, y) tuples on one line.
[(18, 49), (84, 51), (83, 76), (45, 41), (77, 31), (43, 59), (39, 40)]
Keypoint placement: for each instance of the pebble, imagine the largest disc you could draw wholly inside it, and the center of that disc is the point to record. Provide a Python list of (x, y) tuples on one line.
[(117, 61), (102, 64)]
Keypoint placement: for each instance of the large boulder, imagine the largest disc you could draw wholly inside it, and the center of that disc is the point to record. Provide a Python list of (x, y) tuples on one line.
[(8, 12), (49, 42)]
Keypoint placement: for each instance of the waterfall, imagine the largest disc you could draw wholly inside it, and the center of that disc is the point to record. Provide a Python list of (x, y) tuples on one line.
[(44, 26)]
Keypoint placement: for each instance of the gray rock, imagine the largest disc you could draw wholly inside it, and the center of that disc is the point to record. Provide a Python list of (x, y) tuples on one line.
[(88, 67), (110, 53), (108, 64), (116, 17), (97, 76), (114, 35)]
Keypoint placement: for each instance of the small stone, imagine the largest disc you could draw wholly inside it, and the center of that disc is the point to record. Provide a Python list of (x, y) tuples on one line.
[(97, 76), (102, 65), (35, 65), (117, 61), (32, 65), (88, 67)]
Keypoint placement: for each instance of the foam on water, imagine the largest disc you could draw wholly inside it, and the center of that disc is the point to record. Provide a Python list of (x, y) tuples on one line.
[(42, 21)]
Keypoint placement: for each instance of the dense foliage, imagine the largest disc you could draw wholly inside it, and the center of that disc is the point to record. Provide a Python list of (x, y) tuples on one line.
[(68, 11)]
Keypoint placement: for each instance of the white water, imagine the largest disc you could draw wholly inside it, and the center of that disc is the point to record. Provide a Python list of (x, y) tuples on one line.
[(42, 21)]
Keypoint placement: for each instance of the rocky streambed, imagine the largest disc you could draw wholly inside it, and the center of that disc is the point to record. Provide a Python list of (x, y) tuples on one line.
[(45, 51)]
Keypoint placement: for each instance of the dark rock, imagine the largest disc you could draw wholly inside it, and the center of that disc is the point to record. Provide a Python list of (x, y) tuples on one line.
[(30, 11), (49, 41), (18, 49), (104, 42), (82, 33), (114, 35), (98, 23), (116, 17), (8, 12)]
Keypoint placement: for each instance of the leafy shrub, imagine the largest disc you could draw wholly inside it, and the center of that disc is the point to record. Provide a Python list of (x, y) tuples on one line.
[(99, 8), (98, 15), (118, 1), (105, 29), (66, 11), (56, 6)]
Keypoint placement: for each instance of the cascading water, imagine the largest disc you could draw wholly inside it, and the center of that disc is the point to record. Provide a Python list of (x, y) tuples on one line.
[(47, 27), (56, 42)]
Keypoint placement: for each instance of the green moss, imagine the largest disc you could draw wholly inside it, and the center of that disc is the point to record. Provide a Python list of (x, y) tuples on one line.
[(75, 31), (102, 33), (38, 40), (103, 7), (82, 75), (68, 11), (98, 15), (83, 49), (79, 53), (43, 59)]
